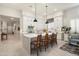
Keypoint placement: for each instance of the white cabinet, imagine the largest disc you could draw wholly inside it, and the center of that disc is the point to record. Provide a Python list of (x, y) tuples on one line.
[(66, 37), (59, 36)]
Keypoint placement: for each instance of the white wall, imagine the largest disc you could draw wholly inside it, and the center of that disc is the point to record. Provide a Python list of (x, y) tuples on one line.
[(13, 13), (58, 19), (57, 24), (28, 20), (69, 14)]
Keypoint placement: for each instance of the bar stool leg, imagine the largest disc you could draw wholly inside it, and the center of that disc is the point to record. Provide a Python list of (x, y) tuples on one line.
[(40, 49), (37, 52), (45, 48)]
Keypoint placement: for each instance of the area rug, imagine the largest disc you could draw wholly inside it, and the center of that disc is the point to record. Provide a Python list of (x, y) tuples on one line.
[(70, 48)]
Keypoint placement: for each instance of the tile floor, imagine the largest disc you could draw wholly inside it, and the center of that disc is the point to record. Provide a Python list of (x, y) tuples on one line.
[(56, 51), (13, 47)]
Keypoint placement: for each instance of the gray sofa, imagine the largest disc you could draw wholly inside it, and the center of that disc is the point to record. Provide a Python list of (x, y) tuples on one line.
[(74, 39)]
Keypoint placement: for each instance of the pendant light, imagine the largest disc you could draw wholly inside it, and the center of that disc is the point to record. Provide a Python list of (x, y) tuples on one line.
[(46, 14), (35, 20)]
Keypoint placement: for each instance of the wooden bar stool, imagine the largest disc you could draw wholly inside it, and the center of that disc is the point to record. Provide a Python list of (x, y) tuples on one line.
[(45, 41), (51, 38), (36, 44), (55, 39)]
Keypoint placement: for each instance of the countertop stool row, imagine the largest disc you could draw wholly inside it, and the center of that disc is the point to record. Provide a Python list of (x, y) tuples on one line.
[(43, 43)]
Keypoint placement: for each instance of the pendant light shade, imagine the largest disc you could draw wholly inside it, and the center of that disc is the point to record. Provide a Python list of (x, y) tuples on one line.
[(35, 20), (46, 22)]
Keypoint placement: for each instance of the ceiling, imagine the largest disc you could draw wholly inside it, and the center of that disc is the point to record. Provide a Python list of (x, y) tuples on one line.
[(40, 7)]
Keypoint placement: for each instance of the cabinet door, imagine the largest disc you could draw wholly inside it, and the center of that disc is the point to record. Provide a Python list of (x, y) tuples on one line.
[(65, 37)]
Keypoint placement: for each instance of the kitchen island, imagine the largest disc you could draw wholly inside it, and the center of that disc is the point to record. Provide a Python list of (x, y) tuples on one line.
[(27, 38)]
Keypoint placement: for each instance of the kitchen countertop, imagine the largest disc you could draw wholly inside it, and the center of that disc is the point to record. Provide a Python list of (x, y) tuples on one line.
[(32, 35)]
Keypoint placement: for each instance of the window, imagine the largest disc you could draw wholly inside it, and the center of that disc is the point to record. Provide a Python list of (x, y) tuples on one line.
[(74, 25), (50, 26), (77, 25)]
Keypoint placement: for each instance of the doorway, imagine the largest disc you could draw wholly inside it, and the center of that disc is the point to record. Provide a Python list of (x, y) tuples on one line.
[(10, 26)]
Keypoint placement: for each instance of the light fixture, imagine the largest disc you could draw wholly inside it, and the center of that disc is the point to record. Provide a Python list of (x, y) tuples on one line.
[(46, 14), (46, 22), (35, 20)]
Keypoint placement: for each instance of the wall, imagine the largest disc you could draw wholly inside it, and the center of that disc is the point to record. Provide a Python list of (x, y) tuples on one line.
[(69, 14), (28, 20), (13, 13), (58, 19), (57, 24)]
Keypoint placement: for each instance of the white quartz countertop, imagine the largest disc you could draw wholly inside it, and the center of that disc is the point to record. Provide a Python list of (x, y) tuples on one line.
[(32, 35)]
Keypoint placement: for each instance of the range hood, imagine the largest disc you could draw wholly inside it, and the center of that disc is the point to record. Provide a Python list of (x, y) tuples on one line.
[(50, 20)]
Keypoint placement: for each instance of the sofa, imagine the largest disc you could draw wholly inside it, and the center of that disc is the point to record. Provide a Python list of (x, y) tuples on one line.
[(74, 39)]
